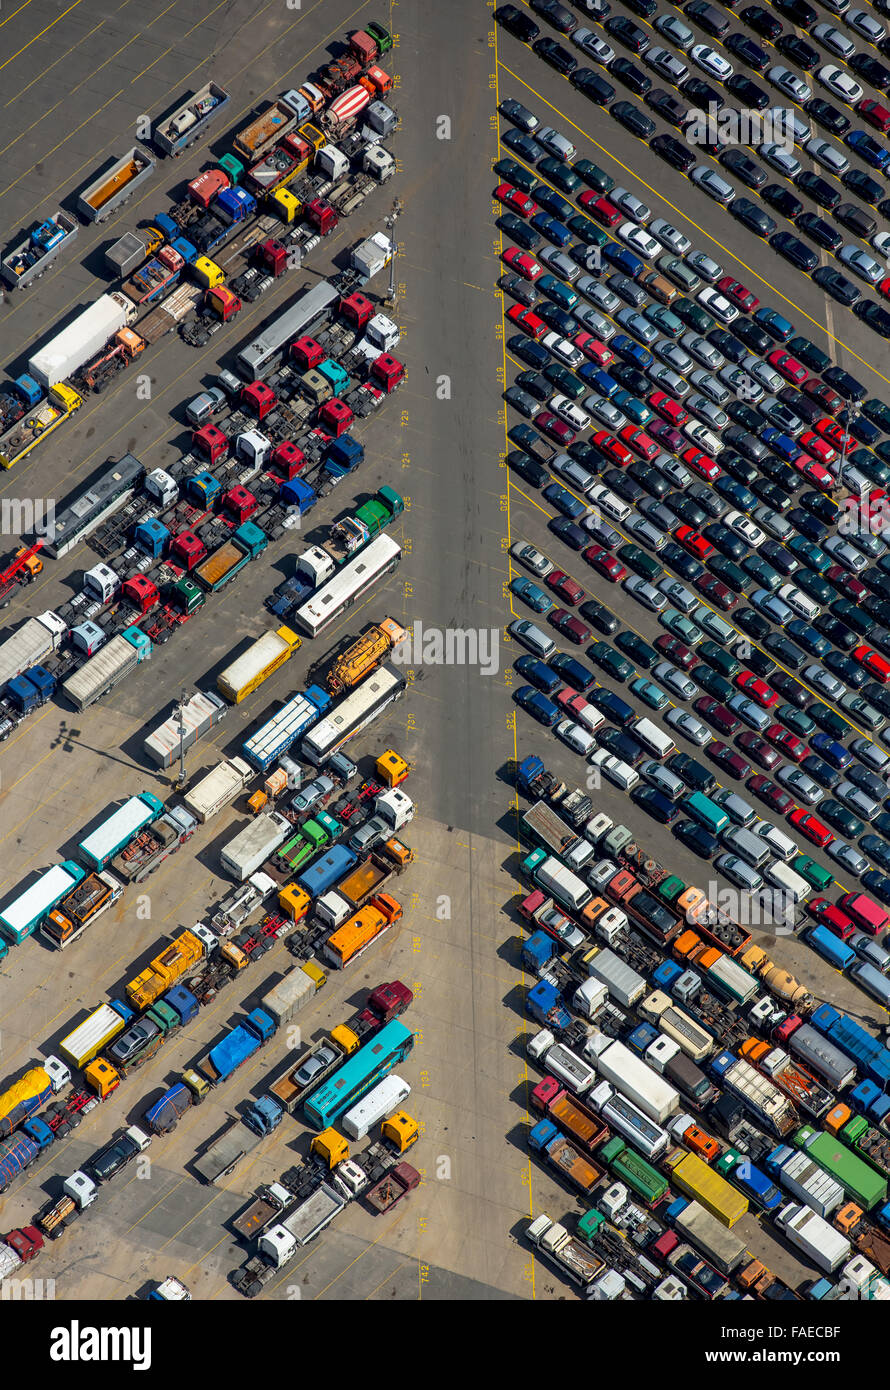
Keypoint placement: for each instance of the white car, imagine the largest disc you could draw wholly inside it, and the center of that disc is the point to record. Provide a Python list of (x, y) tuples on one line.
[(703, 438), (622, 774), (670, 237), (672, 28), (532, 559), (644, 593), (595, 47), (631, 207), (556, 144), (639, 240), (717, 304), (687, 725), (861, 264), (712, 183), (712, 62), (580, 740), (828, 155), (563, 349), (779, 158), (881, 243), (834, 40), (780, 844), (791, 86), (676, 680), (840, 83), (861, 22), (571, 413), (743, 526)]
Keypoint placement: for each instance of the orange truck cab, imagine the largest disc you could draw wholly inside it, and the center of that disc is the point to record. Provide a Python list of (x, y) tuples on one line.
[(701, 1143)]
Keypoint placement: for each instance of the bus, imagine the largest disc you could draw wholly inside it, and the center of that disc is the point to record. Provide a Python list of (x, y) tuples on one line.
[(380, 557), (354, 712), (706, 812), (356, 1076), (269, 348), (81, 517), (381, 1101)]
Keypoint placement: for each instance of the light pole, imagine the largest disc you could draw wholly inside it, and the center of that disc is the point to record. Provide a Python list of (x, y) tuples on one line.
[(179, 710), (395, 214)]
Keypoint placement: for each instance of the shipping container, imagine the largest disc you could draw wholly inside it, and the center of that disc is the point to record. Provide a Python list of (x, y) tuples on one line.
[(697, 1179)]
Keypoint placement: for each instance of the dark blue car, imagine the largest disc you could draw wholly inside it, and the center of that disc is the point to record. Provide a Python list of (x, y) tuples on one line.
[(564, 501), (532, 669), (867, 148), (632, 352), (877, 883), (623, 260), (537, 705), (832, 751), (555, 232)]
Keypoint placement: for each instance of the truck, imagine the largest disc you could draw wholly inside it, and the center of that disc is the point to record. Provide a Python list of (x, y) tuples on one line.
[(171, 314), (230, 558), (349, 942), (363, 656), (638, 1082), (165, 1114), (372, 254), (535, 782), (86, 335), (21, 916), (116, 831), (362, 882), (822, 1057), (277, 734), (94, 895), (44, 243), (174, 963), (239, 905), (805, 1179), (565, 1252), (130, 250), (156, 277), (57, 406), (392, 1187), (264, 1210), (540, 825), (581, 1172), (264, 656), (154, 844), (801, 1087), (192, 720), (860, 1180), (79, 1192), (624, 984), (251, 847), (820, 1242), (290, 996), (313, 1066), (724, 1250), (98, 1029), (868, 1142), (116, 660), (239, 1043), (34, 641), (25, 1097), (17, 1249), (279, 1243), (350, 535), (574, 1118), (218, 788), (238, 1140), (260, 134), (185, 125), (112, 189), (766, 1102)]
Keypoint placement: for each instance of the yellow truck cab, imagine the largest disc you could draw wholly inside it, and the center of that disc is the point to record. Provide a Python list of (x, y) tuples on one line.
[(316, 974), (283, 203), (294, 901), (330, 1146), (400, 1130), (101, 1077), (391, 768), (208, 273)]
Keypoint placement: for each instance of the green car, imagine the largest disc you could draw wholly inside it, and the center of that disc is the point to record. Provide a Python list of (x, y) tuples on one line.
[(829, 721), (587, 231), (593, 175), (796, 720), (650, 693), (632, 407), (814, 874), (729, 572), (679, 273), (762, 573), (810, 553), (515, 174), (693, 315), (841, 819), (565, 381), (814, 585), (615, 665), (531, 594), (664, 320), (563, 175), (639, 651), (713, 683), (679, 626), (641, 563), (715, 656)]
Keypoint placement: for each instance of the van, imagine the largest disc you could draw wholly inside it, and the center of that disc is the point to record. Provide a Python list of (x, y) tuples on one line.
[(607, 502), (802, 604), (865, 911), (831, 947), (653, 739), (618, 772), (735, 806), (703, 810), (531, 636), (747, 845), (663, 779), (871, 980), (790, 883), (777, 842), (738, 872), (659, 288)]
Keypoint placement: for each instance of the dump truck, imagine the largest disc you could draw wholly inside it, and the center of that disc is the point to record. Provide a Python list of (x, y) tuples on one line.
[(112, 663), (185, 125), (240, 1139), (239, 1043), (230, 558), (80, 909), (569, 1114), (565, 1252), (44, 243), (364, 655), (260, 134), (767, 1103), (279, 1243), (174, 963), (154, 844), (366, 879), (561, 1155), (391, 1188), (116, 186), (241, 903), (156, 277), (60, 403), (264, 656)]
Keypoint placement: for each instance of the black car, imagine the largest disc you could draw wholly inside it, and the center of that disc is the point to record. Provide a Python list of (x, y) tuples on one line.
[(837, 285), (522, 144), (793, 691), (875, 409), (668, 106), (695, 776), (762, 22), (519, 231), (631, 76), (863, 429), (772, 495), (819, 189), (593, 175), (685, 565), (728, 573), (556, 14), (846, 668), (872, 314), (644, 8), (529, 351), (875, 74), (828, 116), (820, 232), (794, 251), (557, 56), (628, 488), (736, 492), (633, 119), (801, 15), (785, 651), (782, 200), (752, 217), (678, 155), (747, 50), (807, 352), (803, 54), (865, 187), (568, 531), (724, 342), (628, 33), (807, 524), (845, 384), (744, 168), (745, 415), (701, 94), (622, 745), (631, 378), (829, 721), (517, 23), (687, 509), (753, 623), (696, 838), (857, 219), (726, 541), (821, 506), (593, 86), (708, 17), (741, 470), (747, 91), (752, 335), (531, 472), (536, 385)]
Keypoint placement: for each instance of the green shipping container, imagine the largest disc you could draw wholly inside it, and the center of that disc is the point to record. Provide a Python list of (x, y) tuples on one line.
[(633, 1170), (856, 1177)]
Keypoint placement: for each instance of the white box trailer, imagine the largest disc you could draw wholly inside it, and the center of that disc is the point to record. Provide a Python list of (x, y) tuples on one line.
[(218, 789), (630, 1075), (286, 999), (380, 1101), (198, 716), (624, 984), (807, 1181), (812, 1235), (252, 846), (75, 345), (31, 644)]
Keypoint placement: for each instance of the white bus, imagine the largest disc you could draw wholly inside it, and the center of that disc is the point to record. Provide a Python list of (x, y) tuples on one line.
[(340, 592), (352, 713), (385, 1097)]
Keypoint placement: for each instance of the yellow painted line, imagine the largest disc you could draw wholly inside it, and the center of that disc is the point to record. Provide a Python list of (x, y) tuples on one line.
[(38, 36)]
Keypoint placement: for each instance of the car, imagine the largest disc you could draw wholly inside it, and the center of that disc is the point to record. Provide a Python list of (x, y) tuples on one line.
[(711, 61), (861, 264), (520, 115), (313, 793), (793, 250), (533, 670), (627, 33), (745, 168), (810, 827), (845, 384), (531, 594), (878, 884), (568, 531), (204, 406), (523, 263), (566, 588), (136, 1038), (576, 737), (615, 665), (511, 18), (696, 838), (645, 593), (555, 55), (834, 41), (789, 85), (599, 617), (522, 401), (840, 84), (595, 47), (865, 24), (515, 200), (535, 703), (710, 182)]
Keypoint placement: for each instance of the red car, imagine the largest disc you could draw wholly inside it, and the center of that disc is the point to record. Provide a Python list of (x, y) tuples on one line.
[(700, 463), (775, 797), (524, 264), (556, 428), (593, 349), (669, 409), (641, 443), (758, 749), (676, 651), (783, 739), (846, 584), (604, 563), (738, 294), (821, 392), (758, 689), (694, 542), (884, 287), (830, 429), (816, 472), (605, 212), (618, 452), (827, 915), (515, 200), (876, 114), (574, 705), (566, 587), (717, 592), (787, 366), (530, 323), (818, 447), (729, 760), (873, 663), (569, 626), (813, 829), (716, 714)]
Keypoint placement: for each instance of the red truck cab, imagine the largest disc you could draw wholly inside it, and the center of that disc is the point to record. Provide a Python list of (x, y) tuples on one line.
[(307, 353), (240, 503), (288, 460), (188, 550), (211, 441), (336, 416), (388, 372), (140, 593), (259, 398), (356, 309)]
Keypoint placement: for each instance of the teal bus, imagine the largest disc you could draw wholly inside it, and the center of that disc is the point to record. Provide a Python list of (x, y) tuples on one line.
[(351, 1081), (706, 812)]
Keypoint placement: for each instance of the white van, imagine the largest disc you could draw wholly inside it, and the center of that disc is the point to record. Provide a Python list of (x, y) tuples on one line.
[(778, 843), (791, 883), (803, 605), (531, 636), (662, 779), (747, 846), (621, 773), (609, 503), (653, 739)]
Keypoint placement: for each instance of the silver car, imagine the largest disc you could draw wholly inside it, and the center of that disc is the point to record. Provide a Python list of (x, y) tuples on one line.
[(791, 86), (662, 61), (668, 235), (779, 158), (871, 754), (710, 182), (710, 386), (840, 83), (595, 47), (675, 31), (857, 800), (561, 264), (674, 356), (703, 352), (850, 858), (677, 594), (642, 530), (778, 526), (645, 593), (604, 411), (686, 724), (573, 472), (672, 469), (800, 784), (707, 411), (741, 383), (861, 264), (640, 327), (865, 24), (631, 206), (823, 681), (556, 144), (834, 40), (845, 554), (600, 295), (705, 266), (676, 680), (595, 322), (828, 155), (756, 718)]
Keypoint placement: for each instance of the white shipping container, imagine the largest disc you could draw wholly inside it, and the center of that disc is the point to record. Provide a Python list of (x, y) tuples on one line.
[(218, 788), (630, 1075), (821, 1243), (251, 847), (199, 715), (810, 1184), (76, 344)]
